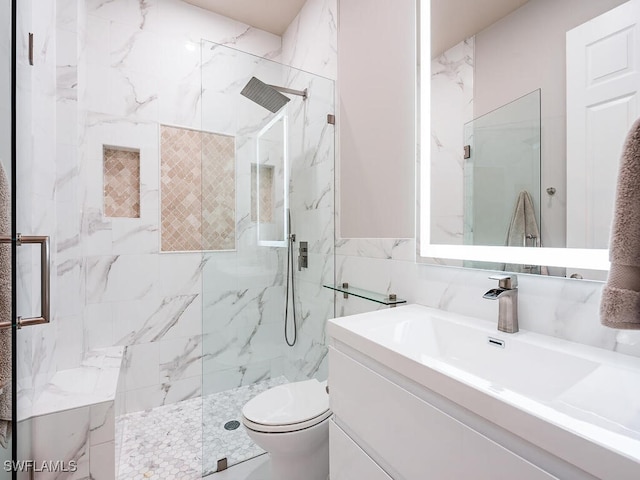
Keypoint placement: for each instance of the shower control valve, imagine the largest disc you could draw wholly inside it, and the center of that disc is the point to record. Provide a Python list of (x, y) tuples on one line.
[(303, 255)]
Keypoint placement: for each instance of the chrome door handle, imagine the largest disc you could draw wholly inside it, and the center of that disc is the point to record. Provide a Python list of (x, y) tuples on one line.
[(45, 283)]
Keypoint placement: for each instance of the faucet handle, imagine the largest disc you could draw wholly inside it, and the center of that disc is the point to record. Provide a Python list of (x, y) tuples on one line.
[(506, 281)]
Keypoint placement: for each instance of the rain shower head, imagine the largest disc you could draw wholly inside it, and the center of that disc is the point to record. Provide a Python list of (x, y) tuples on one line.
[(264, 95), (269, 96)]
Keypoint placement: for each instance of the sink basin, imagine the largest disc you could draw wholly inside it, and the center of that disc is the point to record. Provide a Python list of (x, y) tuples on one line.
[(476, 348), (592, 393)]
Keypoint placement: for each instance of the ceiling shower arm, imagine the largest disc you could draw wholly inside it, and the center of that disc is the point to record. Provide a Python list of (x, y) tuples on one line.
[(300, 93)]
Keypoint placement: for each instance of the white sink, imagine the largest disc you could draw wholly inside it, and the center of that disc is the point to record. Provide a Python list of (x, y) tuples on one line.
[(591, 393)]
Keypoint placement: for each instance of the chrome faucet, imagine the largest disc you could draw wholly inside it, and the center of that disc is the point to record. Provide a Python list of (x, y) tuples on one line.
[(507, 295)]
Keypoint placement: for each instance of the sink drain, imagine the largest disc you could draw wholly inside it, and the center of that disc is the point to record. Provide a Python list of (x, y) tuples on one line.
[(232, 425)]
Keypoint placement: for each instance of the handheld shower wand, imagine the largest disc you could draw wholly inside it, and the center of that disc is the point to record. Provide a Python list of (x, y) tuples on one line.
[(291, 238)]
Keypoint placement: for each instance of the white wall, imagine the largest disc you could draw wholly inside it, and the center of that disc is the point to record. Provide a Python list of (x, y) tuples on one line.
[(519, 54), (376, 68)]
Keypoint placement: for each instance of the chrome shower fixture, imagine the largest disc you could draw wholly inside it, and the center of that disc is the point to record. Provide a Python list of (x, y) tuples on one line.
[(269, 96)]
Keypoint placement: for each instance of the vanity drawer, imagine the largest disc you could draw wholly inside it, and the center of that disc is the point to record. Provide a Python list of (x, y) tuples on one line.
[(415, 439), (348, 460)]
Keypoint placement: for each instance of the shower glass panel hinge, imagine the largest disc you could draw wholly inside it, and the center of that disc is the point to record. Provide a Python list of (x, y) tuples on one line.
[(30, 48), (467, 152), (222, 464), (331, 119)]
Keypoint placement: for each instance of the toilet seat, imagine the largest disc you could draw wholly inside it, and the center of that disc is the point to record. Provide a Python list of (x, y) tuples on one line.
[(288, 408)]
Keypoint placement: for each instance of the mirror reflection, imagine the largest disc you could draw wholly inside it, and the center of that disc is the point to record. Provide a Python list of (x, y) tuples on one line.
[(530, 104), (269, 200)]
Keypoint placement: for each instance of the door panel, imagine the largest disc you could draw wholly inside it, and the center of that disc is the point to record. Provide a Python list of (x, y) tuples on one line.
[(603, 78)]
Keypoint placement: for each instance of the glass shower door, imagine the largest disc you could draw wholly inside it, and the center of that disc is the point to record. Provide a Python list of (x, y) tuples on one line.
[(24, 257), (7, 414), (282, 178)]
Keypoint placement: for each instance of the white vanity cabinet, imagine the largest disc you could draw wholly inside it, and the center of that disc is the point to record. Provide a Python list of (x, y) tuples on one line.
[(421, 394), (394, 434)]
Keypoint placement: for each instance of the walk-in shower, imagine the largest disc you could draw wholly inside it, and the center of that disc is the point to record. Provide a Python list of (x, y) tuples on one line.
[(284, 177)]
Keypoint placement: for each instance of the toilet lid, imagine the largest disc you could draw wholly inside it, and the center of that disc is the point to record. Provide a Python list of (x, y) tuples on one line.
[(288, 404)]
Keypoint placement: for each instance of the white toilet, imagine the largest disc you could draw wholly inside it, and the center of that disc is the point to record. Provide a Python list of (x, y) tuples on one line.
[(291, 422)]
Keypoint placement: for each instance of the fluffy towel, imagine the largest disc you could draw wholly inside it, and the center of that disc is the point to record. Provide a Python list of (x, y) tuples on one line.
[(620, 305), (524, 232), (5, 310)]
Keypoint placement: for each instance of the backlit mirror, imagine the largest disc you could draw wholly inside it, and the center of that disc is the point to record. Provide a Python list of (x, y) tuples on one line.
[(524, 109), (269, 180)]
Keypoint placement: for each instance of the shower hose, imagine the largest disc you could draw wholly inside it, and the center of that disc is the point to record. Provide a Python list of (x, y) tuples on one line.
[(290, 268)]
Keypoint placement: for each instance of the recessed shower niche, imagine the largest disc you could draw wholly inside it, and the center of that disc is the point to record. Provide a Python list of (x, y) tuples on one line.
[(198, 190), (262, 178), (121, 173)]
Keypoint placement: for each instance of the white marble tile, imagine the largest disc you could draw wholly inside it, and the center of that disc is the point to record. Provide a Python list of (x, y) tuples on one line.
[(385, 248), (63, 436), (67, 15), (133, 48), (180, 358), (452, 106), (124, 11), (221, 380), (120, 277), (183, 273), (102, 465), (94, 381), (132, 236), (102, 424), (141, 366), (155, 317), (368, 273), (301, 45), (142, 399), (69, 341)]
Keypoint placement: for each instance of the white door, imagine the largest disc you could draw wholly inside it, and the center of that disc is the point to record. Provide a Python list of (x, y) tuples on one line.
[(603, 79)]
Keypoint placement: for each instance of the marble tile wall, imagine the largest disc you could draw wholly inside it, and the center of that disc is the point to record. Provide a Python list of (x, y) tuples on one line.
[(150, 72), (108, 73), (451, 107), (73, 423), (310, 44), (558, 307), (244, 291)]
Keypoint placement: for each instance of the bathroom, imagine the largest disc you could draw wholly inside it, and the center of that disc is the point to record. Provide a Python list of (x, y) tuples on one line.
[(188, 334)]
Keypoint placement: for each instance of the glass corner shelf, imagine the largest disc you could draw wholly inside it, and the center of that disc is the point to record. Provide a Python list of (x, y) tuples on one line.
[(383, 298)]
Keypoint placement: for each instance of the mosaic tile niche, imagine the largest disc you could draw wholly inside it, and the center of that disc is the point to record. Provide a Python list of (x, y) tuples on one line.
[(266, 192), (198, 190), (121, 173)]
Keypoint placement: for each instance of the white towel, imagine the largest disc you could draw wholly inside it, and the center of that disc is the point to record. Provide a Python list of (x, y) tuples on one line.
[(524, 232), (5, 310)]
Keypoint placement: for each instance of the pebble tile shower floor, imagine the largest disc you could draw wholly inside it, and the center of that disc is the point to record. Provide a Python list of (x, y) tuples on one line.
[(169, 442)]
